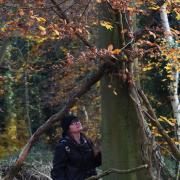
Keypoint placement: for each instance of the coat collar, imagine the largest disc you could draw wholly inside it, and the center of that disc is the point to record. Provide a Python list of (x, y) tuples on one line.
[(71, 140)]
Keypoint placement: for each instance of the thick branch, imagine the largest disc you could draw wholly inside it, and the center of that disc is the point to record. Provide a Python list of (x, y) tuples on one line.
[(73, 97), (109, 171), (151, 115)]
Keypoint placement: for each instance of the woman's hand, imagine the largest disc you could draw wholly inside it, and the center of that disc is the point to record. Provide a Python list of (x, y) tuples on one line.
[(97, 147)]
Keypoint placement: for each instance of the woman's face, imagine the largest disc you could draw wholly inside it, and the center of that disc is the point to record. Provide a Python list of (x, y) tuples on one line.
[(75, 127)]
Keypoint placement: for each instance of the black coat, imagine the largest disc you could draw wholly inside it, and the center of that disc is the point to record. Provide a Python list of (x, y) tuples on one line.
[(73, 161)]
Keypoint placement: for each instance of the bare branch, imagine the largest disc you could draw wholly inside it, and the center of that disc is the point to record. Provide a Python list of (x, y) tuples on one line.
[(74, 3), (112, 170), (86, 8), (62, 14), (151, 115), (35, 169)]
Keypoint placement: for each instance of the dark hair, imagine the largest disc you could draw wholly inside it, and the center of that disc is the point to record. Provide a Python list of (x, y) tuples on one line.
[(65, 123)]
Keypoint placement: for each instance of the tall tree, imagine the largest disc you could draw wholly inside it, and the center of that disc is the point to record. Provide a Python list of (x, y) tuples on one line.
[(123, 132), (174, 80)]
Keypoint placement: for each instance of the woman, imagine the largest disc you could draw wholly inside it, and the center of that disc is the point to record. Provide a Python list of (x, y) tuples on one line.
[(75, 157)]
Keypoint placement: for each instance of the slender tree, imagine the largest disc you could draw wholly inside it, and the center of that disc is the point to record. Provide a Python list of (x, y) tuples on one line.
[(174, 80)]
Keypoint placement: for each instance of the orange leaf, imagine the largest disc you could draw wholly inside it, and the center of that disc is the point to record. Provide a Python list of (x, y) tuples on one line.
[(116, 51)]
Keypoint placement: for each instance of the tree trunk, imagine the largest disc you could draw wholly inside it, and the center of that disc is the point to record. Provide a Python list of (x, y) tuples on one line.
[(173, 88), (27, 102), (122, 135)]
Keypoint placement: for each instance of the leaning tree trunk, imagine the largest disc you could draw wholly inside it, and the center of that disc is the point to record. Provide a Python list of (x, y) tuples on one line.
[(123, 136)]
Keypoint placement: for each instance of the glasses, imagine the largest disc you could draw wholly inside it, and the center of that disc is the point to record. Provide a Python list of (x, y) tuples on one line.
[(75, 123)]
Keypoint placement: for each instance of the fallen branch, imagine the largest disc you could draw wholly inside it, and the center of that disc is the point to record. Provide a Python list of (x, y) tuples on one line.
[(73, 97), (117, 171), (42, 174), (172, 146), (35, 170), (151, 115)]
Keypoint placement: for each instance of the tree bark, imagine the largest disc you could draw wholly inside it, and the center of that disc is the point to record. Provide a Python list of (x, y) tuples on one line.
[(27, 102), (123, 136)]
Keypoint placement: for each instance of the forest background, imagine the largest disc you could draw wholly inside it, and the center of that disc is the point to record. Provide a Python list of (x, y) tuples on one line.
[(45, 55)]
